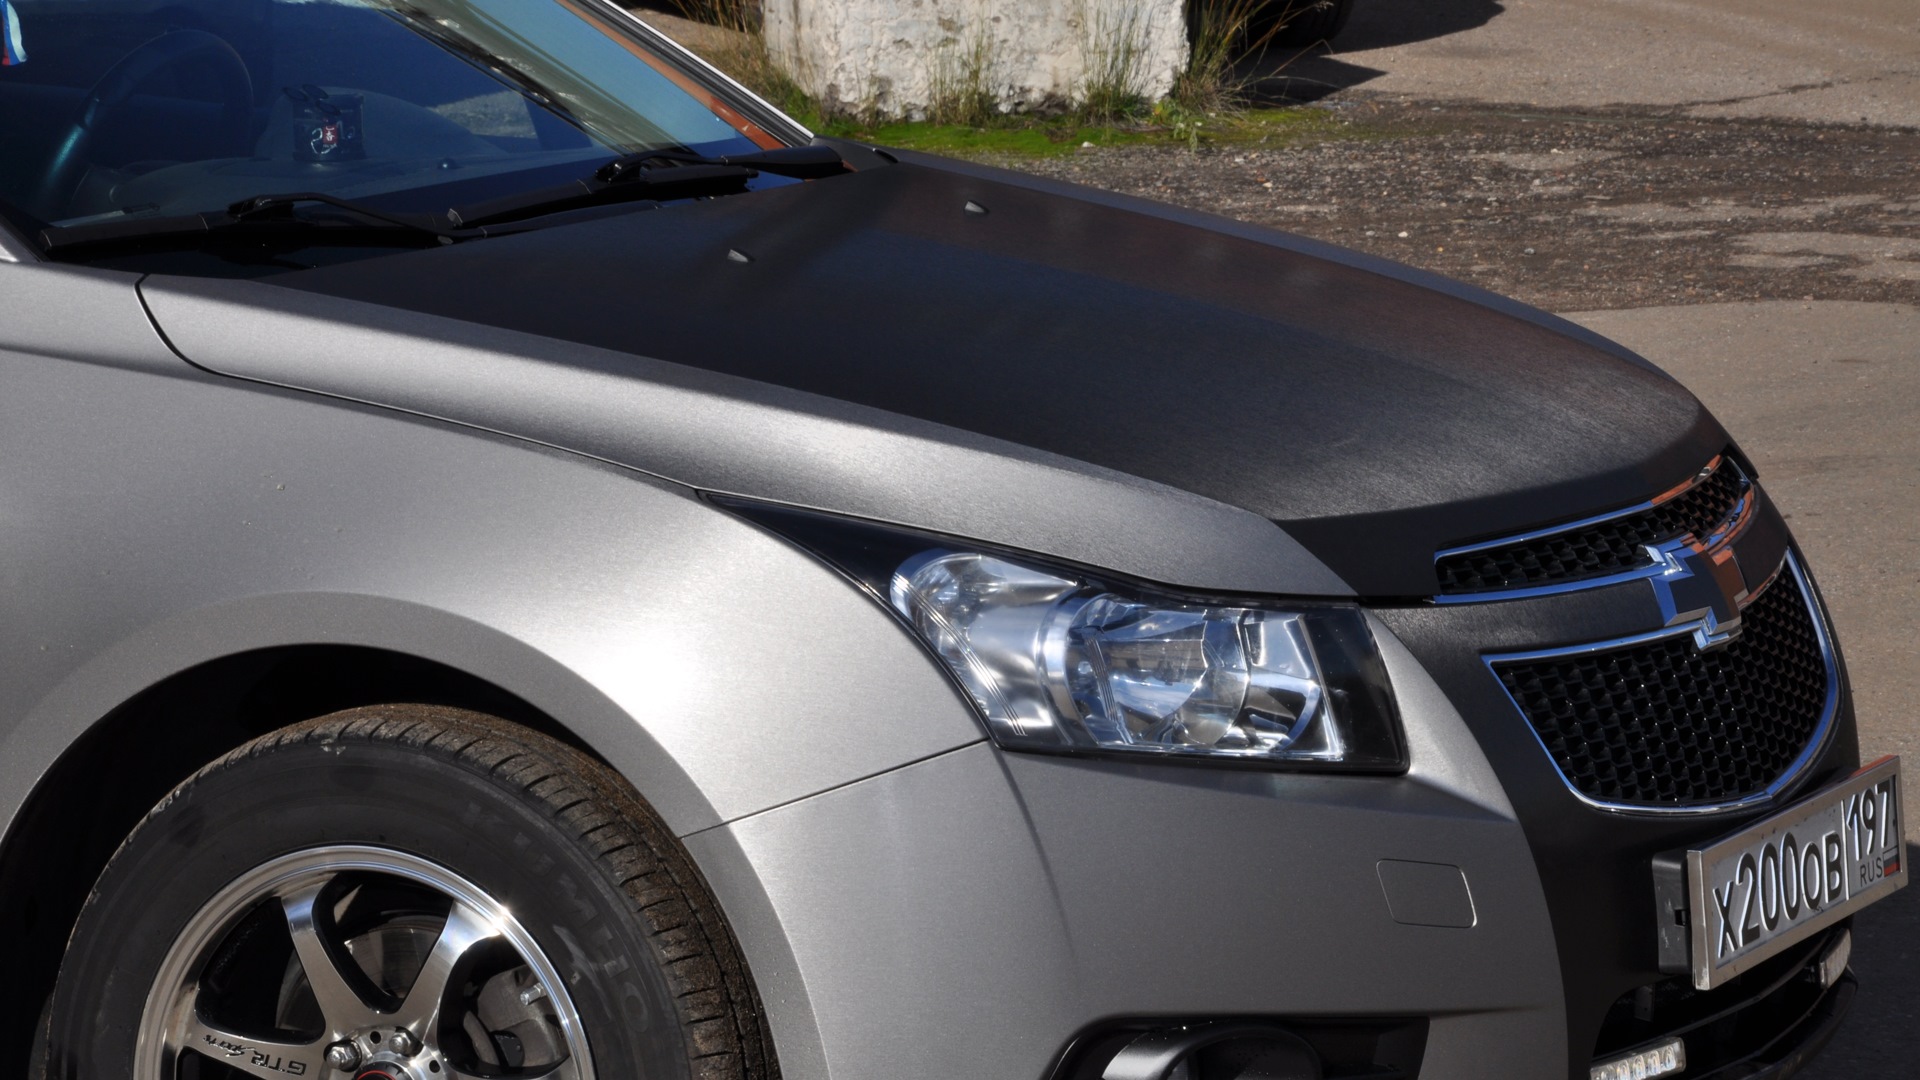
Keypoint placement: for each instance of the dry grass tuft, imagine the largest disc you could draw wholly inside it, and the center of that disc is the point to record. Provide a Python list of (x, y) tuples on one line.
[(1114, 49), (961, 89)]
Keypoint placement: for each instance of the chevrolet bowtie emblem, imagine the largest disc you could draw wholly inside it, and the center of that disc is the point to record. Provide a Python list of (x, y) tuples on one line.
[(1697, 585)]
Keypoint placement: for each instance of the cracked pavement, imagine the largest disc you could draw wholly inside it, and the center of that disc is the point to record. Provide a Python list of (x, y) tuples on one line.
[(1593, 153), (1823, 395), (1829, 61), (1603, 208)]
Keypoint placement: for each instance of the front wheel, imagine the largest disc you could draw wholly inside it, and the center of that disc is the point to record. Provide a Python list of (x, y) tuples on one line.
[(405, 893)]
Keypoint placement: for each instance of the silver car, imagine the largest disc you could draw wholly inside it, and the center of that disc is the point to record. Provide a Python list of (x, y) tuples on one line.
[(517, 560)]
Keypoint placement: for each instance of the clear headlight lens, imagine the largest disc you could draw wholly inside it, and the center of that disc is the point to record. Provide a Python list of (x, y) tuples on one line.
[(1057, 662)]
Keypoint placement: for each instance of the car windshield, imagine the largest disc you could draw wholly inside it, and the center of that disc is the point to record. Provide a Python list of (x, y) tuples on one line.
[(120, 108)]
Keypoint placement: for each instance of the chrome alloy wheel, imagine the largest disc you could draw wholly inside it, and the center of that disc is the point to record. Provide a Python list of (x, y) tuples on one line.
[(362, 963)]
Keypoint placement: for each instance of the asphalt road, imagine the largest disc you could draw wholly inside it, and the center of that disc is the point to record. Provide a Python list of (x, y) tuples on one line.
[(1569, 207), (1825, 397), (1823, 394), (1830, 61)]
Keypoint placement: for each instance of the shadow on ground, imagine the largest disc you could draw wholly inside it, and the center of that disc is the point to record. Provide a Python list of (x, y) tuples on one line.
[(1876, 1040), (1297, 75)]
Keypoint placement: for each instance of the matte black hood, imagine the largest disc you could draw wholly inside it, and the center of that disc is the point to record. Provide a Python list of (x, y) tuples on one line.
[(1375, 412)]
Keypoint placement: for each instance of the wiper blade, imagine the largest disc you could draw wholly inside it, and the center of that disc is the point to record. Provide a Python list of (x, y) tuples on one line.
[(682, 182), (653, 174), (259, 206), (803, 162), (260, 217)]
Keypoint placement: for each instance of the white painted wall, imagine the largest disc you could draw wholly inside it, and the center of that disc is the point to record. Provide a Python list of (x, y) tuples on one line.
[(891, 55)]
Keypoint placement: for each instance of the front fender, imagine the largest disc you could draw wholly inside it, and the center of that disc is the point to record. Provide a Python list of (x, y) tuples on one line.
[(150, 523)]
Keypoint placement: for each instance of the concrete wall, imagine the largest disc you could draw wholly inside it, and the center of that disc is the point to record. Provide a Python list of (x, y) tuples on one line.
[(895, 57)]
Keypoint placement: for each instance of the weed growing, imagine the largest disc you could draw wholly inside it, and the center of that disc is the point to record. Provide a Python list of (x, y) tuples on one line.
[(1012, 137), (1220, 32), (740, 15), (1113, 51), (1207, 108), (961, 82)]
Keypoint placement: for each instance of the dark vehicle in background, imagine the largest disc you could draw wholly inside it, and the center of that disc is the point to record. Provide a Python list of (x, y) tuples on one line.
[(1300, 23), (519, 561), (1294, 24)]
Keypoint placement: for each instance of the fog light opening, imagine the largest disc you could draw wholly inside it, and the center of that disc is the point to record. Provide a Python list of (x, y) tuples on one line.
[(1215, 1052), (1667, 1058)]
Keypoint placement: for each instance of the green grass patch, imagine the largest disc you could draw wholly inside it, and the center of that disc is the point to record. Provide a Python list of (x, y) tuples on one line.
[(1207, 109), (1038, 137), (1029, 139)]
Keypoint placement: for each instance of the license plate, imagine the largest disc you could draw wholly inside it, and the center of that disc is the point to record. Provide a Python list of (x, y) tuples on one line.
[(1746, 897)]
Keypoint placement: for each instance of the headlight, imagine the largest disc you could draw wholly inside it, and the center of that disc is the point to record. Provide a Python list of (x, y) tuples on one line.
[(1056, 660)]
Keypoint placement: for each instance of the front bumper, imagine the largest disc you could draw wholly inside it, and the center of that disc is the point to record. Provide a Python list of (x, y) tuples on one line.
[(973, 915), (986, 914), (1767, 1023)]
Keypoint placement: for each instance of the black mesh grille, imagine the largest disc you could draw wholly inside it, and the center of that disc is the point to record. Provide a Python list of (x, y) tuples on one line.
[(1591, 551), (1663, 724)]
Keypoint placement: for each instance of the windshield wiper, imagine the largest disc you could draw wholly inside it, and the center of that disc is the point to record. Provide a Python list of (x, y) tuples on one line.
[(653, 174), (804, 162), (259, 217), (262, 206)]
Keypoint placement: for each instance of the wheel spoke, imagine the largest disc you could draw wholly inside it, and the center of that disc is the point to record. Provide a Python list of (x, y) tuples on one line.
[(255, 1057), (343, 1006), (464, 930), (477, 952)]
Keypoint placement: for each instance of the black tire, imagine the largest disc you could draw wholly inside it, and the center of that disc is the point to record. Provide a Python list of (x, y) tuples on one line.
[(596, 879), (1305, 22)]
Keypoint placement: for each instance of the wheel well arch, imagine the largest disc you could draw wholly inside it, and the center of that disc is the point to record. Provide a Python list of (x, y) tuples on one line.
[(107, 781)]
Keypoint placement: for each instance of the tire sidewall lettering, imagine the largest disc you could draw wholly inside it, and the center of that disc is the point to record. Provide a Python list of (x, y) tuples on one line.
[(443, 811)]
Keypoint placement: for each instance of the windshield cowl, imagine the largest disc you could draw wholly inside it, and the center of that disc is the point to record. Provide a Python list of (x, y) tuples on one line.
[(262, 219), (654, 175)]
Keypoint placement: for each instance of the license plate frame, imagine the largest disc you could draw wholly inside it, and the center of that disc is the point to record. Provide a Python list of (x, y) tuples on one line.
[(1718, 893)]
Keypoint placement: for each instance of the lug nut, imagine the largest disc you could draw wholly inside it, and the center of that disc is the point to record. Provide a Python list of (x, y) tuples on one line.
[(343, 1056), (404, 1043)]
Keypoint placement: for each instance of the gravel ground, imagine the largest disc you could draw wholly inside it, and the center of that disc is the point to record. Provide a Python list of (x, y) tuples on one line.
[(1570, 210)]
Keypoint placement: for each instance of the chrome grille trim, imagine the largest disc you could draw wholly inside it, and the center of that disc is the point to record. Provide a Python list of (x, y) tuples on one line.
[(1795, 770), (1730, 528)]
